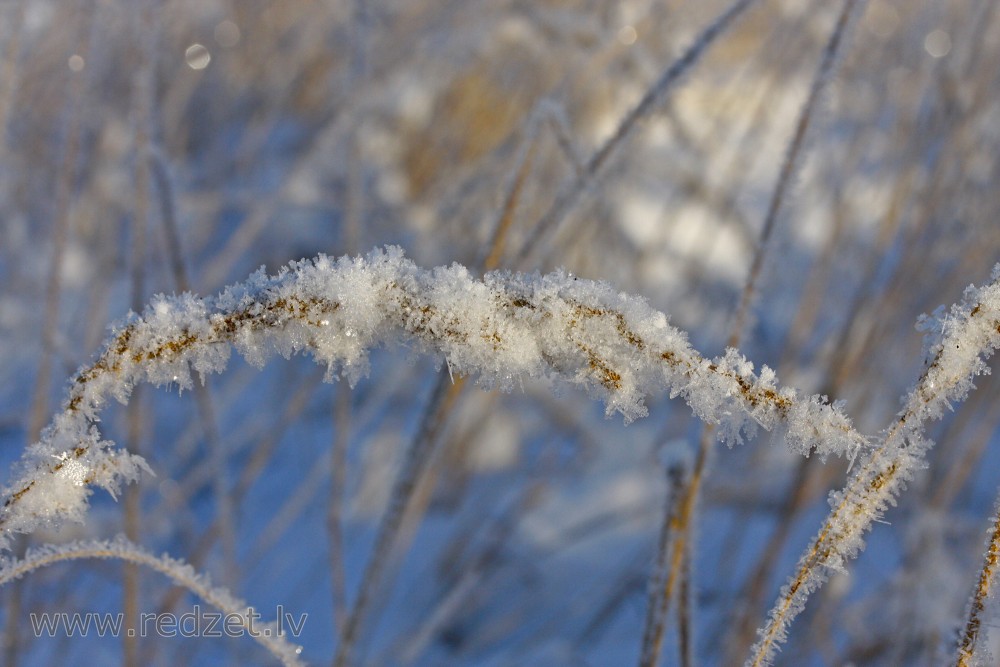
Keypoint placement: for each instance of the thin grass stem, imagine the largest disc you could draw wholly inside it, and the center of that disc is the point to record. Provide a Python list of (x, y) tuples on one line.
[(567, 198)]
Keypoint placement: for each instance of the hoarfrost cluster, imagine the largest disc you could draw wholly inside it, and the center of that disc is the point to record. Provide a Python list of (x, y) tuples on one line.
[(503, 328)]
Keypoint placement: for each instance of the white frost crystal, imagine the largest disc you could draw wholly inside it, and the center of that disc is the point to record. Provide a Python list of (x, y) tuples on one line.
[(502, 328)]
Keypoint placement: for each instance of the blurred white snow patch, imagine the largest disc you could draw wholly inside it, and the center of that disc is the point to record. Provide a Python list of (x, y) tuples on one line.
[(691, 231), (416, 101), (811, 228), (499, 445), (840, 582), (78, 264), (423, 217), (871, 198), (659, 133), (616, 491), (881, 19), (392, 187), (38, 16), (642, 219), (518, 29), (304, 188), (378, 470), (625, 491), (698, 233)]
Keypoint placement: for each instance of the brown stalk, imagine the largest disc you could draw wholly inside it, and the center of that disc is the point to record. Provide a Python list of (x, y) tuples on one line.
[(984, 589), (867, 489), (419, 454), (275, 312), (800, 492), (657, 606), (681, 548)]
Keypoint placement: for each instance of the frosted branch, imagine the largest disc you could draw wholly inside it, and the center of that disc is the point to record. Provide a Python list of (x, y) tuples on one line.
[(958, 342), (504, 328)]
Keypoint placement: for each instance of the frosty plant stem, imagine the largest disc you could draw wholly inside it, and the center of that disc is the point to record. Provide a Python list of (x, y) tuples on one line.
[(957, 343), (182, 574), (504, 328), (967, 640), (679, 561)]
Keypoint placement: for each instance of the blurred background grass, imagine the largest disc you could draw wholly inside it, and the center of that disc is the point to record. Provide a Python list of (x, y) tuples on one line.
[(154, 146)]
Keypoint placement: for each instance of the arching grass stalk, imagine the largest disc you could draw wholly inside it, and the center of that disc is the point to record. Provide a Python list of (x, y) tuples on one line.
[(504, 328)]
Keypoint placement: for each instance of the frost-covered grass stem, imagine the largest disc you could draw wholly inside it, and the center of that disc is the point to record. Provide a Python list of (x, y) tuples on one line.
[(657, 604), (957, 343), (689, 502), (968, 641), (175, 569), (505, 328)]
